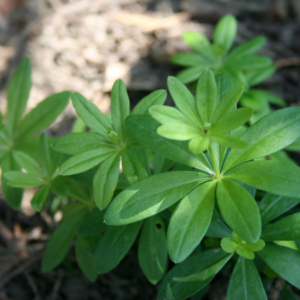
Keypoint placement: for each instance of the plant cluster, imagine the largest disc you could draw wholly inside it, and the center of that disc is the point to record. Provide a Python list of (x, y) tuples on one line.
[(191, 183)]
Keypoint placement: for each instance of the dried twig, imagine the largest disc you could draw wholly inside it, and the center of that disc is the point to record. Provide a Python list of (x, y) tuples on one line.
[(288, 62)]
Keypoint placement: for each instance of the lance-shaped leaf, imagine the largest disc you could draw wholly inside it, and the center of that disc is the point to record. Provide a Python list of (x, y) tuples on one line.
[(206, 95), (60, 242), (189, 59), (286, 229), (190, 276), (132, 167), (90, 114), (12, 195), (239, 210), (105, 180), (119, 108), (155, 98), (191, 74), (18, 94), (272, 206), (270, 97), (247, 48), (151, 195), (259, 75), (85, 161), (178, 131), (169, 115), (250, 62), (86, 261), (190, 220), (93, 224), (268, 135), (28, 163), (144, 130), (198, 144), (39, 198), (19, 179), (228, 140), (183, 99), (232, 120), (245, 283), (283, 261), (77, 143), (270, 176), (199, 43), (44, 114), (114, 245), (228, 102), (225, 31), (153, 254)]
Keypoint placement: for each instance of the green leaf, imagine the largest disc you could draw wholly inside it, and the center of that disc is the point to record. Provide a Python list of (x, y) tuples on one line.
[(119, 108), (183, 99), (155, 98), (270, 97), (283, 261), (152, 251), (245, 283), (132, 167), (239, 210), (287, 293), (250, 62), (190, 220), (144, 130), (200, 44), (232, 120), (60, 242), (199, 144), (224, 86), (43, 114), (286, 229), (12, 195), (190, 60), (27, 163), (206, 96), (90, 114), (86, 261), (217, 228), (268, 135), (228, 102), (191, 74), (50, 159), (93, 224), (19, 179), (225, 31), (151, 195), (272, 206), (269, 176), (190, 276), (105, 180), (178, 131), (77, 143), (59, 186), (18, 94), (169, 115), (39, 198), (114, 245), (228, 140), (85, 161), (260, 75), (247, 48)]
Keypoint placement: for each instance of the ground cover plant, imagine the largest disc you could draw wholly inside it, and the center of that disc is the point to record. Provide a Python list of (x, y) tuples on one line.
[(191, 184)]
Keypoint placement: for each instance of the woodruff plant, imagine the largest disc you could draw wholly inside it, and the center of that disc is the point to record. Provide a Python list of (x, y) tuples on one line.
[(241, 65), (191, 187)]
